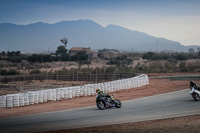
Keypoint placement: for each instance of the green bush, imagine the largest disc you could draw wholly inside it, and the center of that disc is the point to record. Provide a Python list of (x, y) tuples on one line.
[(63, 71), (181, 56), (168, 56), (35, 71), (9, 72)]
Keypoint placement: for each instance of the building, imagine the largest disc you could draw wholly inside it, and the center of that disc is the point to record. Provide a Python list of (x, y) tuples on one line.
[(109, 53), (76, 50), (91, 53)]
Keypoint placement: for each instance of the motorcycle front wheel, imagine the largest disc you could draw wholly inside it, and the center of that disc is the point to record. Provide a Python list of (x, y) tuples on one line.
[(101, 105), (117, 103), (196, 96)]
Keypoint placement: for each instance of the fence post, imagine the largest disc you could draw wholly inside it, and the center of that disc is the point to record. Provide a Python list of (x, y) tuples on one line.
[(90, 75), (73, 74), (24, 73), (120, 76), (96, 75), (5, 79), (77, 75), (46, 75), (105, 76), (0, 74), (88, 79)]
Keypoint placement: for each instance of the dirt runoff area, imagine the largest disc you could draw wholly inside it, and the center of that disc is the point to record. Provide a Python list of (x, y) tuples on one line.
[(156, 86)]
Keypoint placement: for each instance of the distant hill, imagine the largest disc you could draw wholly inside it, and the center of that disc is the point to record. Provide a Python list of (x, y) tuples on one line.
[(81, 33)]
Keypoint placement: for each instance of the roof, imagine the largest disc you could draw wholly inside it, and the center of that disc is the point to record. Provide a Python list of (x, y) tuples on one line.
[(78, 48)]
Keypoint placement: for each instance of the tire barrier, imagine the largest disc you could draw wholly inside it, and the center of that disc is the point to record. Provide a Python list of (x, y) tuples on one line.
[(15, 100), (26, 99), (9, 101), (21, 100), (3, 101), (42, 96), (31, 97)]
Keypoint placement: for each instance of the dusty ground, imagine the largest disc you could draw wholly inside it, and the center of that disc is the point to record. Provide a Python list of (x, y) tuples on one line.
[(156, 86)]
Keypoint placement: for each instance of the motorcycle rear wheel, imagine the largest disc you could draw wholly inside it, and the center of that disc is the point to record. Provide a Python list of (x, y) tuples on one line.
[(101, 105), (196, 96)]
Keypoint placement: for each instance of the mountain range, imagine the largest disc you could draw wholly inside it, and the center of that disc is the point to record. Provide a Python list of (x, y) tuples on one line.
[(81, 33)]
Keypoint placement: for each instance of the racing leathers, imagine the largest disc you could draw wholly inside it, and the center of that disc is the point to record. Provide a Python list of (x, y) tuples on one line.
[(108, 97)]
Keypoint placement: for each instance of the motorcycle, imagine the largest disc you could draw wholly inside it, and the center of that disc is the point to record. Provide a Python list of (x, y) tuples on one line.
[(104, 102), (195, 91)]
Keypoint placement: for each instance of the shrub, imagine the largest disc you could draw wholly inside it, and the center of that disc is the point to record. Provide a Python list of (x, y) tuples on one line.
[(35, 71), (9, 72)]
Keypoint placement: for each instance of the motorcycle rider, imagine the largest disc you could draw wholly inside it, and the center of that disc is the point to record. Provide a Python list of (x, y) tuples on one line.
[(192, 83), (102, 94)]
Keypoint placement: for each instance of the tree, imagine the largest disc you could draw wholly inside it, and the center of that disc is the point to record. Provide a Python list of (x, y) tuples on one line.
[(191, 50), (80, 57), (148, 55), (61, 53), (61, 50), (64, 57), (181, 56), (3, 53), (9, 72), (18, 53), (198, 51), (64, 41)]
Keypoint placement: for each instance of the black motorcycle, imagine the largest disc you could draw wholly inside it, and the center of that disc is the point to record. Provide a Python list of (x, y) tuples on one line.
[(106, 101)]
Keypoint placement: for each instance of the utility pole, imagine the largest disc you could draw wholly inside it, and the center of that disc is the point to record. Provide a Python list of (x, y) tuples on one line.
[(96, 75), (48, 50), (0, 74)]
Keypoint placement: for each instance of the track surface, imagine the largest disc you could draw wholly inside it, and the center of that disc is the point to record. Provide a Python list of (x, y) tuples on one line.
[(168, 105)]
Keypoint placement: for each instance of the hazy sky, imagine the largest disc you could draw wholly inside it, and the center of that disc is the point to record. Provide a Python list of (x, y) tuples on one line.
[(177, 20)]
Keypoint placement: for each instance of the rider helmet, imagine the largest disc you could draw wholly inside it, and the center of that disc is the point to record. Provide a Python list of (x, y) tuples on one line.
[(192, 83), (97, 90)]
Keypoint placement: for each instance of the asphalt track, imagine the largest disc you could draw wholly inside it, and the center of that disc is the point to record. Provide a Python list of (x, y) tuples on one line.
[(168, 105)]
